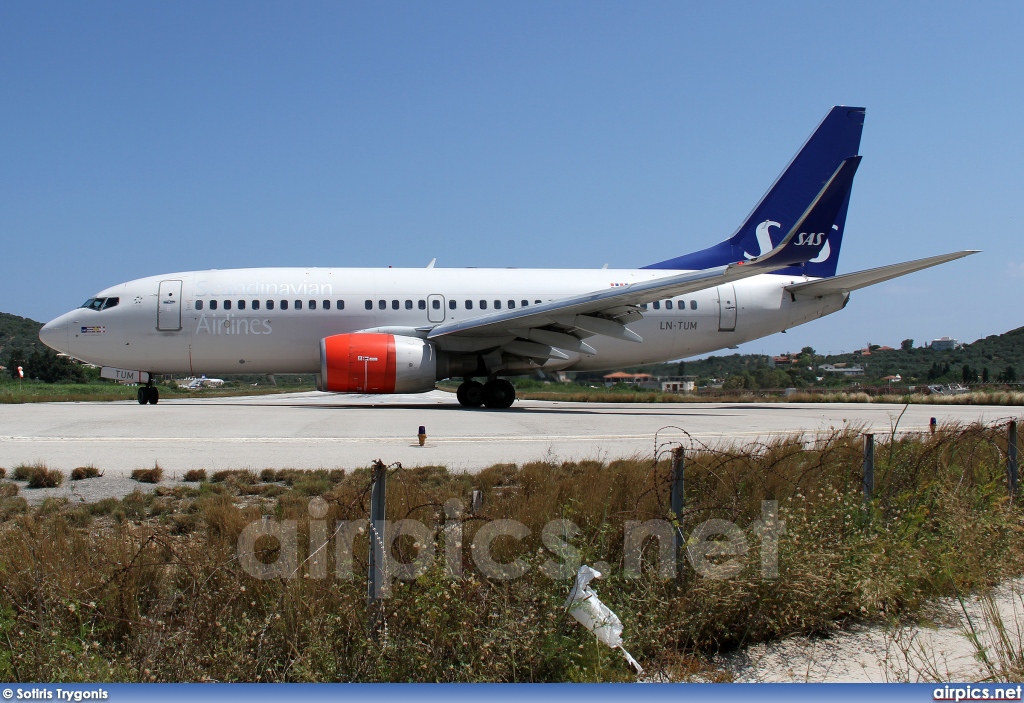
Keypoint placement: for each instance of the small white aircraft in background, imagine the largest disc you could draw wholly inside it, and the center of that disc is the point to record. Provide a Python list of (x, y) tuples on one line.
[(203, 382), (401, 330)]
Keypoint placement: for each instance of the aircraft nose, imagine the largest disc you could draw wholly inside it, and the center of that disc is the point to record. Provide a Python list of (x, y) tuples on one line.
[(54, 334)]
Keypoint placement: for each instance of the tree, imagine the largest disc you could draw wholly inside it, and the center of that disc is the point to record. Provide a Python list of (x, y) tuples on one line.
[(984, 375), (16, 359), (968, 374), (809, 351), (1009, 375), (907, 344), (47, 366)]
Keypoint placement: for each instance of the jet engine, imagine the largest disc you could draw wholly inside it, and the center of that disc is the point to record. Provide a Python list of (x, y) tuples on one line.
[(377, 363)]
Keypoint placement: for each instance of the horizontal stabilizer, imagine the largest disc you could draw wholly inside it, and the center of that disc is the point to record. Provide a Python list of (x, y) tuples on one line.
[(862, 279)]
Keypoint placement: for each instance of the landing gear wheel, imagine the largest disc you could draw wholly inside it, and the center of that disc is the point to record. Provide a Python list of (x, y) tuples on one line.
[(470, 394), (499, 393), (143, 395), (154, 395)]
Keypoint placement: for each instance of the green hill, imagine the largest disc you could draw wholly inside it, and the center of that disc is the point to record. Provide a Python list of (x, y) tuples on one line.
[(18, 332), (996, 354)]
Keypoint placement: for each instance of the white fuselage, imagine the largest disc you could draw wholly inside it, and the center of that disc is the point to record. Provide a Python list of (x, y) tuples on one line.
[(233, 321)]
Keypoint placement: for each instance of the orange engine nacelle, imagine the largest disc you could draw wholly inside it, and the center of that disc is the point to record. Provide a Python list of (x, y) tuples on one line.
[(376, 363)]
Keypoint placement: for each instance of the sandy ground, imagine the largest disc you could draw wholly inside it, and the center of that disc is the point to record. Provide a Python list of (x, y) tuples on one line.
[(942, 650)]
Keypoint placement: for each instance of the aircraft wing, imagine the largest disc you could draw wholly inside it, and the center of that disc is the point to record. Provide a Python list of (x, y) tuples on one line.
[(540, 331), (862, 279)]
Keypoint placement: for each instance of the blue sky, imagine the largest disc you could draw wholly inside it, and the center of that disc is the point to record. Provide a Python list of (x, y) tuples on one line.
[(144, 138)]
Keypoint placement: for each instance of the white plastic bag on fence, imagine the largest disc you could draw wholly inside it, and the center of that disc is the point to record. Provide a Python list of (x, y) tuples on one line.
[(589, 611)]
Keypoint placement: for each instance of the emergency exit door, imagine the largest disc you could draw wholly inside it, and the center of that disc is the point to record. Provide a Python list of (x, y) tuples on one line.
[(727, 308), (168, 314)]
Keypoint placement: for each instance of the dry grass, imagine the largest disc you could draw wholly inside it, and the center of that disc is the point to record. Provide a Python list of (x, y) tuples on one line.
[(45, 478), (153, 475), (83, 472), (152, 589), (194, 475)]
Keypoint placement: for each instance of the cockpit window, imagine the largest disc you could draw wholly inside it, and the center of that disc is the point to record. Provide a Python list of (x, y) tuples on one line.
[(100, 303)]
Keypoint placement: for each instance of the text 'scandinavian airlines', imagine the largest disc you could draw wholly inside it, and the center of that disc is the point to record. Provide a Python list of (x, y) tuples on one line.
[(400, 330)]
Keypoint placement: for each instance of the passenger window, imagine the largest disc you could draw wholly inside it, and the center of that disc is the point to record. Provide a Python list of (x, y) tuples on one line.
[(483, 304), (312, 305), (369, 305), (668, 304), (227, 304), (284, 304), (423, 305), (524, 303), (394, 304), (657, 305), (213, 304), (382, 305), (469, 304), (693, 304), (511, 304), (538, 302), (408, 305), (270, 305), (111, 302), (436, 304), (497, 305), (255, 305), (241, 305), (643, 306), (341, 304), (298, 304), (451, 304), (327, 305), (199, 305)]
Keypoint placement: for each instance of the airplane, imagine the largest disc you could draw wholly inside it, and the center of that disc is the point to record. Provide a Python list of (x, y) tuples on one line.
[(379, 331)]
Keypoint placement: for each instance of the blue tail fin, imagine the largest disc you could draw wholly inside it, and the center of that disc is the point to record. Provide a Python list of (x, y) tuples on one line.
[(836, 139)]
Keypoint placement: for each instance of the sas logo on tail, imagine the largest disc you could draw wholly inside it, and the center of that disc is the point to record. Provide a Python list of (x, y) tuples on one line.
[(810, 239)]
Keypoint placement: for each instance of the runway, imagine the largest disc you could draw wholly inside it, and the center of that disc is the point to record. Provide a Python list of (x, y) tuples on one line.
[(315, 430)]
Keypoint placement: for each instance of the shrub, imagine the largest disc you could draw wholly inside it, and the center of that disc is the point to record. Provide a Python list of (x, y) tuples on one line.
[(148, 475), (195, 475), (45, 478), (3, 472), (84, 472), (8, 489), (23, 472)]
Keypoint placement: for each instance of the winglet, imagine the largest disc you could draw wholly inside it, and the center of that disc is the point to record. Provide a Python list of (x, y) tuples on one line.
[(808, 236)]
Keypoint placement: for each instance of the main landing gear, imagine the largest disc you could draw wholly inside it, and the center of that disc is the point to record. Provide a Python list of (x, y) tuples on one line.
[(148, 394), (496, 393)]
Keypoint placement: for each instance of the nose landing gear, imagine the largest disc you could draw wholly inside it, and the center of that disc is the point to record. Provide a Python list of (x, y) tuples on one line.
[(496, 393)]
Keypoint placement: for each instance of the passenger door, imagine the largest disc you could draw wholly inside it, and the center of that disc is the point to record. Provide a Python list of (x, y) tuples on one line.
[(727, 308), (168, 315)]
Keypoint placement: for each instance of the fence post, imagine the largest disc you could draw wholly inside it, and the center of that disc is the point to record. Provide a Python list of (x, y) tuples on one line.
[(869, 466), (375, 583), (1011, 453), (678, 466)]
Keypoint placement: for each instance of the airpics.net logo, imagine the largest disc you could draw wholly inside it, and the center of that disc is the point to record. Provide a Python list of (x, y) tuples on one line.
[(977, 693), (714, 549)]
